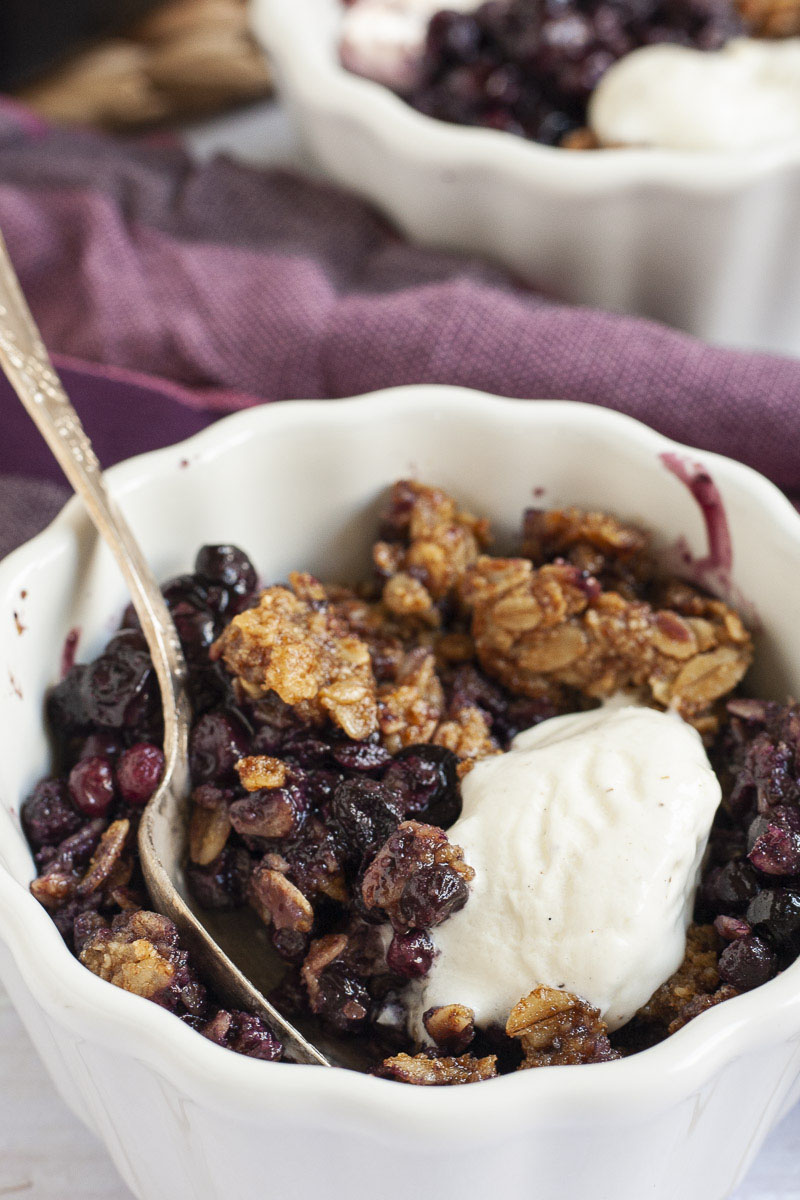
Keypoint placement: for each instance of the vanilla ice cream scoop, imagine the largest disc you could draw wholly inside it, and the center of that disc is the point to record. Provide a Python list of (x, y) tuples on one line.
[(742, 97), (586, 839)]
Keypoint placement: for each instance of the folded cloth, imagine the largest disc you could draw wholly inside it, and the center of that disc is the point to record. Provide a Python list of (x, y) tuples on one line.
[(242, 285)]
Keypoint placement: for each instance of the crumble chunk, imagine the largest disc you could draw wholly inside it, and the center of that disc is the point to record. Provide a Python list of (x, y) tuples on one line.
[(614, 553), (138, 953), (261, 771), (417, 878), (468, 736), (771, 18), (556, 1028), (693, 988), (450, 1026), (107, 867), (209, 829), (428, 1071), (533, 627), (277, 900), (549, 533), (429, 544), (410, 709), (293, 644)]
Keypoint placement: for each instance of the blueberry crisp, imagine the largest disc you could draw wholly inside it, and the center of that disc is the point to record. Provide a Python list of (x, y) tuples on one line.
[(584, 74), (470, 797)]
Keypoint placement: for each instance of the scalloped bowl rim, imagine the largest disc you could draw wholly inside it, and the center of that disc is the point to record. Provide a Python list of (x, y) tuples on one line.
[(223, 1081), (325, 83)]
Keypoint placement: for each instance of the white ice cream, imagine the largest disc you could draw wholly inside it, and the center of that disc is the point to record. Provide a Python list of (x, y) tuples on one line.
[(586, 839), (739, 98), (385, 39)]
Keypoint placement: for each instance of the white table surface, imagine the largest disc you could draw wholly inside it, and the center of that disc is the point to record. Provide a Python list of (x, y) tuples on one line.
[(45, 1153)]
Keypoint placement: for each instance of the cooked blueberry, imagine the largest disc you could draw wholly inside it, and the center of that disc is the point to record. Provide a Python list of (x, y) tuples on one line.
[(747, 963), (77, 918), (66, 706), (254, 1039), (775, 914), (771, 767), (48, 815), (228, 566), (112, 683), (365, 813), (223, 883), (431, 895), (218, 740), (300, 747), (290, 944), (91, 786), (210, 686), (410, 954), (343, 1000), (139, 772), (195, 626), (732, 886), (360, 756), (425, 780), (774, 841)]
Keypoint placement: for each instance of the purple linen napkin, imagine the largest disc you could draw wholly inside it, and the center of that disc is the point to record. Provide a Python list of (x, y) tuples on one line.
[(242, 285)]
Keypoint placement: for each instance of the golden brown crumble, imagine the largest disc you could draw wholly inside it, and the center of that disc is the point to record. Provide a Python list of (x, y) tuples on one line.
[(701, 1004), (293, 644), (693, 988), (277, 901), (535, 627), (432, 544), (426, 1071), (467, 734), (556, 532), (261, 771), (209, 830), (410, 709), (134, 954), (614, 553), (771, 18), (107, 868), (556, 1028), (580, 139), (450, 1026), (322, 953)]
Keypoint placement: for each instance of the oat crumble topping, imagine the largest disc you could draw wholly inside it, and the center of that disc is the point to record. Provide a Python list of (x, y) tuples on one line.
[(332, 726)]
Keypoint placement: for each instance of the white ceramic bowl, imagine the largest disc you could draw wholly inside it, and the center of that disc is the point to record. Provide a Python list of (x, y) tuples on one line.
[(297, 485), (706, 242)]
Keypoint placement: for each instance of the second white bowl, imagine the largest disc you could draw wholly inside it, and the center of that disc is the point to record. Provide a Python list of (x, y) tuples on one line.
[(709, 243)]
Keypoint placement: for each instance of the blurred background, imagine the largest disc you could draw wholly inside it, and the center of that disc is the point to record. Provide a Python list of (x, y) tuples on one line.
[(129, 64)]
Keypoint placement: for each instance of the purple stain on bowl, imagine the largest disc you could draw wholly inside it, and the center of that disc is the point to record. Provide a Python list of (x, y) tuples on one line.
[(713, 571), (69, 650)]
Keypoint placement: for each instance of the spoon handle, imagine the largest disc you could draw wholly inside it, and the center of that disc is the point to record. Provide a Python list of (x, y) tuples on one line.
[(27, 365)]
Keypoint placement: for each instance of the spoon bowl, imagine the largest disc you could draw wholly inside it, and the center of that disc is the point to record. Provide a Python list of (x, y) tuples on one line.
[(162, 831)]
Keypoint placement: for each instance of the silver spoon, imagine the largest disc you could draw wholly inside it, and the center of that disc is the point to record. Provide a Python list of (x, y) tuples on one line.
[(162, 832)]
